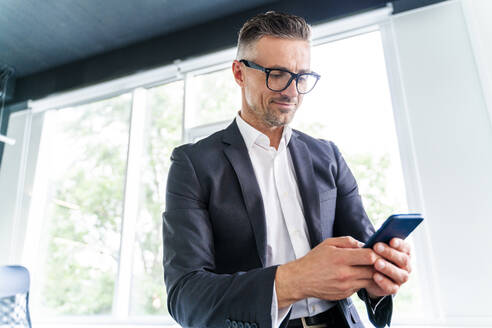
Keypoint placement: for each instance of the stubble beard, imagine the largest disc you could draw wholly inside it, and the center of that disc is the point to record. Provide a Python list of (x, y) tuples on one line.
[(273, 118)]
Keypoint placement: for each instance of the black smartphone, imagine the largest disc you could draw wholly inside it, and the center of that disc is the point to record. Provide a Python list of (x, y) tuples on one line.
[(396, 226)]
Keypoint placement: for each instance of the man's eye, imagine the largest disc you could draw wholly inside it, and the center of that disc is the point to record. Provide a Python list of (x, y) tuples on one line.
[(278, 74)]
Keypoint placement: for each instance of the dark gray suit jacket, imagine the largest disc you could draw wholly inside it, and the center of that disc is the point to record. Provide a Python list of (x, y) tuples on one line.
[(214, 228)]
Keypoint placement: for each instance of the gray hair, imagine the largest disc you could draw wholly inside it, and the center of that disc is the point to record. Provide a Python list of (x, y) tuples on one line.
[(274, 24)]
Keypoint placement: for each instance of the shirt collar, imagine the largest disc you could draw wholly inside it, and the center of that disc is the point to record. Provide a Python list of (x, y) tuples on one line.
[(251, 135)]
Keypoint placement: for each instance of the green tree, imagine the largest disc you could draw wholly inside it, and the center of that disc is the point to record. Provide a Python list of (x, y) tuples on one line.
[(85, 214), (215, 97), (371, 175)]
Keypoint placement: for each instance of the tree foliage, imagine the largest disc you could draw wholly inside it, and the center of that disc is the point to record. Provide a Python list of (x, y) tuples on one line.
[(85, 213)]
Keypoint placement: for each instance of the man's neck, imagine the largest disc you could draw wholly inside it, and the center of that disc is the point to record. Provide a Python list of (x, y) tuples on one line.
[(273, 133)]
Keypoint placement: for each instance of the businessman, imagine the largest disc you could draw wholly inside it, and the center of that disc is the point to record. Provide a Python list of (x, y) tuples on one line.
[(264, 224)]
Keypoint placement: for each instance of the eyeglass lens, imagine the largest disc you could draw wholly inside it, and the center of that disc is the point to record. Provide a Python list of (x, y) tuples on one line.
[(277, 81)]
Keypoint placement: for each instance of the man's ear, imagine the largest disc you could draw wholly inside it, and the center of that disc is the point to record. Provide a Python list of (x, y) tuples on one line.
[(237, 71)]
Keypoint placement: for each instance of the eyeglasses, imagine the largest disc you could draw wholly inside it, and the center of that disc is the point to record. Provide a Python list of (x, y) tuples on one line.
[(278, 79)]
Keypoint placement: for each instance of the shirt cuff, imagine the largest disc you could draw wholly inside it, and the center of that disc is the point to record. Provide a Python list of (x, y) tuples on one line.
[(278, 315)]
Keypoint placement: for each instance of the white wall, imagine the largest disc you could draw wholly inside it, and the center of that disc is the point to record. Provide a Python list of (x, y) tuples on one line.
[(478, 15), (442, 92), (16, 178), (8, 185)]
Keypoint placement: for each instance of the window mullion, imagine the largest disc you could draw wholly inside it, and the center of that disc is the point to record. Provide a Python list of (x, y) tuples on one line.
[(186, 104), (130, 207)]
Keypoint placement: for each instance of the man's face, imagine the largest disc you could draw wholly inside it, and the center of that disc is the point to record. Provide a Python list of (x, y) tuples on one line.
[(266, 106)]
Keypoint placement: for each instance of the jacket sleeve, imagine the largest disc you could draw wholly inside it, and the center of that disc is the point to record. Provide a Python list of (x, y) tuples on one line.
[(350, 217), (380, 314), (352, 220), (197, 296)]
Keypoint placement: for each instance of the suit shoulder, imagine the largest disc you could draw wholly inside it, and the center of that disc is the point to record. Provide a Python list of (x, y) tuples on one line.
[(202, 146), (318, 145)]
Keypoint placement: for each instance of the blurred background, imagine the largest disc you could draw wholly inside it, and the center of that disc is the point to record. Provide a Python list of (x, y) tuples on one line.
[(95, 95)]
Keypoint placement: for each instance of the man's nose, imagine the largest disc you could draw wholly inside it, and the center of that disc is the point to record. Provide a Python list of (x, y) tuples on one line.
[(291, 90)]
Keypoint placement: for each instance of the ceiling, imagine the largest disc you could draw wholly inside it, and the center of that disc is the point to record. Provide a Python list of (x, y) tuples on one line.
[(39, 35)]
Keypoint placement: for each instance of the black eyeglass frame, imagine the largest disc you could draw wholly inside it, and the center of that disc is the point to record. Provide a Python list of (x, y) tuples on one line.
[(293, 76)]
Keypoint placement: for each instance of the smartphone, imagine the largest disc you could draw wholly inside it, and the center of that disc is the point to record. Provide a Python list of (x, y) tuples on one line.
[(396, 226)]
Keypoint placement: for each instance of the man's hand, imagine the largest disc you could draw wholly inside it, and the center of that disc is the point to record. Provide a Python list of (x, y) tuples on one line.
[(392, 269), (333, 270)]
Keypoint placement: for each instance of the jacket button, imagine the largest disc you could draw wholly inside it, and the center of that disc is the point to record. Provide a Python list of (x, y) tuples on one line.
[(228, 323), (234, 324)]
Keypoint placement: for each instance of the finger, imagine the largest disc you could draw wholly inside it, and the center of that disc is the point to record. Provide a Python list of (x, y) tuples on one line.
[(374, 289), (355, 285), (343, 242), (399, 276), (363, 283), (360, 256), (401, 259), (388, 286), (360, 272), (401, 245)]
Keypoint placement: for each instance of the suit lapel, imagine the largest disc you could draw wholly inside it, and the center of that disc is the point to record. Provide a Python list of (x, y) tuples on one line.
[(238, 156), (303, 166)]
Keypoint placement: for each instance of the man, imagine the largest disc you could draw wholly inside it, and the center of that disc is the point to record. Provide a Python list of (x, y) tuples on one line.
[(263, 224)]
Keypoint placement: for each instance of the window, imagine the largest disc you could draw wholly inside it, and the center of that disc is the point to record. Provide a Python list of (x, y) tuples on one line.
[(84, 149), (202, 108)]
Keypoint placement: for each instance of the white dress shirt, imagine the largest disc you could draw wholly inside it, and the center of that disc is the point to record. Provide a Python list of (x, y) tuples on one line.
[(287, 232)]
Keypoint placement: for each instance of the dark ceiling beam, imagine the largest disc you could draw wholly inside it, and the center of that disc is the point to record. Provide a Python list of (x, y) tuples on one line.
[(195, 41)]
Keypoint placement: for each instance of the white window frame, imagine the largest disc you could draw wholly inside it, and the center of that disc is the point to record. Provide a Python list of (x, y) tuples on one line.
[(412, 178)]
